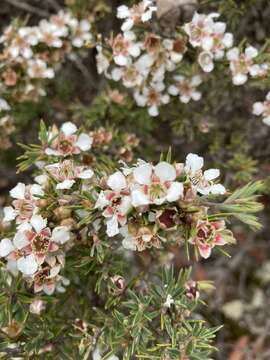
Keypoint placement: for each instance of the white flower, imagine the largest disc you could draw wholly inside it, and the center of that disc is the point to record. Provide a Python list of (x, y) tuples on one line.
[(193, 164), (81, 33), (49, 34), (37, 68), (202, 181), (169, 301), (206, 62), (66, 173), (141, 12), (152, 97), (24, 203), (263, 108), (155, 184), (186, 88), (66, 141), (124, 47), (115, 203), (241, 64), (36, 307)]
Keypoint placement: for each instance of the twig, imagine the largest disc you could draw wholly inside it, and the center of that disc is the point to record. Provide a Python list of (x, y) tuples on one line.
[(29, 8)]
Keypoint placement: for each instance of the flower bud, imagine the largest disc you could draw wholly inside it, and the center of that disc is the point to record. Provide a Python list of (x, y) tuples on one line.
[(42, 203), (119, 284), (13, 329), (167, 219), (62, 212), (36, 307), (192, 290), (69, 222)]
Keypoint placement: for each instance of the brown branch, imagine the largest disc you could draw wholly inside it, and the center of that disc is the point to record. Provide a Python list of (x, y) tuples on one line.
[(27, 7)]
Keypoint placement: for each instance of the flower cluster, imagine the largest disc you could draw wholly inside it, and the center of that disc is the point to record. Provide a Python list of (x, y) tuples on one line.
[(144, 202), (154, 67), (263, 108), (142, 63), (210, 37), (40, 241), (146, 205), (242, 65), (33, 53), (37, 252)]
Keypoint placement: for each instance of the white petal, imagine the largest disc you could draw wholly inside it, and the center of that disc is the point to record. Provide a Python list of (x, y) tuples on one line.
[(66, 184), (9, 213), (27, 265), (68, 128), (217, 189), (36, 189), (84, 142), (60, 234), (255, 70), (251, 52), (11, 266), (134, 50), (228, 40), (193, 163), (25, 226), (117, 74), (125, 205), (6, 247), (233, 54), (165, 171), (207, 43), (38, 222), (117, 181), (139, 198), (219, 27), (121, 60), (142, 174), (196, 80), (50, 152), (41, 179), (173, 90), (184, 99), (127, 25), (266, 120), (20, 240), (196, 95), (153, 110), (86, 174), (165, 99), (211, 174), (123, 12), (101, 201), (258, 108), (18, 191), (175, 191), (239, 79), (112, 227)]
